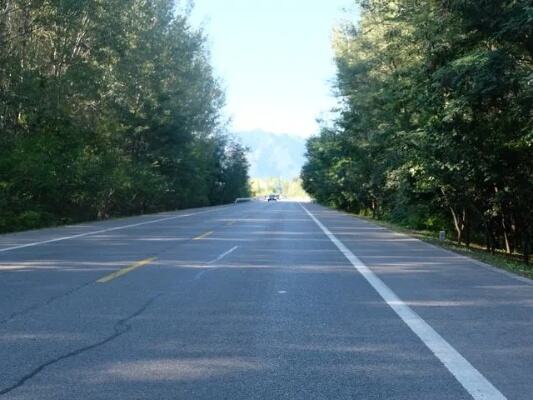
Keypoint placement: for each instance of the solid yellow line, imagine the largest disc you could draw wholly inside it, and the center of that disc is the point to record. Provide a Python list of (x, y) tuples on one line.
[(126, 270), (203, 236)]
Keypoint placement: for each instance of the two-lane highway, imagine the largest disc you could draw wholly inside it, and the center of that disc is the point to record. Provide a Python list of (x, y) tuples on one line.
[(256, 301)]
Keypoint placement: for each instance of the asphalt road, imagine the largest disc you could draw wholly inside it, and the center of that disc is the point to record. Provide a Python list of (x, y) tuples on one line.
[(256, 301)]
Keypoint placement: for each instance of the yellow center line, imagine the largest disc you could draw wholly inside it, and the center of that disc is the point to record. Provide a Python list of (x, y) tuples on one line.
[(126, 270), (204, 235)]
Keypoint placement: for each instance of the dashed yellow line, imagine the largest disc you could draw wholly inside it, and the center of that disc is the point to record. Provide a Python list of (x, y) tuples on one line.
[(126, 270), (205, 235)]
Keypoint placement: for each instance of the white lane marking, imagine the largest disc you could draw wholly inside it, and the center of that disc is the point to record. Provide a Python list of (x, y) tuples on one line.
[(117, 228), (200, 274), (468, 376), (223, 255), (220, 257)]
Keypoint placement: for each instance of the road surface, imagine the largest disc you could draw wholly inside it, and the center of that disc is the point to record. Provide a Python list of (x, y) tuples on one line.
[(256, 301)]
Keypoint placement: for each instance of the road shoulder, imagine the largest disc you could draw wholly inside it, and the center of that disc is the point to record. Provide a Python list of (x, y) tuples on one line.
[(499, 263)]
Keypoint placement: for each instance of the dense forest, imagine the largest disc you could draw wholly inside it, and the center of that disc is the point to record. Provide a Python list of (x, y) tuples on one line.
[(108, 108), (434, 125)]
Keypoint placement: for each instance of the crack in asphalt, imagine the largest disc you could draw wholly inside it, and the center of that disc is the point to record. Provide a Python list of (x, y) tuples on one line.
[(59, 296), (48, 301), (120, 328)]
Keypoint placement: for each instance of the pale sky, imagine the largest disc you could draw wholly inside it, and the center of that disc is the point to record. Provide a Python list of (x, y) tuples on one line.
[(274, 58)]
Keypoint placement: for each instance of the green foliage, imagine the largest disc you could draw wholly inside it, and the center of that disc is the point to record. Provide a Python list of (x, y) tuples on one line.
[(106, 109), (434, 128)]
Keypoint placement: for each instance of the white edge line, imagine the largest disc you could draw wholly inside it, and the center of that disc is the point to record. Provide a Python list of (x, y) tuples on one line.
[(465, 373), (116, 228)]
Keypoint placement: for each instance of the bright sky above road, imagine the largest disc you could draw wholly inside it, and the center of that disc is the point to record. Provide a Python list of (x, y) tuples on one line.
[(274, 58)]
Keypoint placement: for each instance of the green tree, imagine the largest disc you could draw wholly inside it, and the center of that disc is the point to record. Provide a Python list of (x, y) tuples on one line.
[(434, 127), (107, 108)]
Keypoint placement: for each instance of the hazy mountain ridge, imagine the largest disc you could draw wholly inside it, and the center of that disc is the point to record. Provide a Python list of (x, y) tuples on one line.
[(273, 155)]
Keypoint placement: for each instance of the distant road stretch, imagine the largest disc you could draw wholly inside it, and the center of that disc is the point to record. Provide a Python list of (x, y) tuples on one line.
[(256, 300)]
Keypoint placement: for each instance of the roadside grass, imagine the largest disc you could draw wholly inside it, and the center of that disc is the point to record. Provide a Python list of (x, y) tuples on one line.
[(499, 260)]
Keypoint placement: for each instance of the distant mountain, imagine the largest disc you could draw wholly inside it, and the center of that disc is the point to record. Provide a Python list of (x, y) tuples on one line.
[(273, 155)]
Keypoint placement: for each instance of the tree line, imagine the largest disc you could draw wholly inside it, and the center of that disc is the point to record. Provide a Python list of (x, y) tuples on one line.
[(108, 108), (434, 124), (289, 188)]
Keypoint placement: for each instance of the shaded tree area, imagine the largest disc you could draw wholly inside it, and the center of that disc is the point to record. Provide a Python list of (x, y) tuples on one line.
[(108, 108), (434, 127)]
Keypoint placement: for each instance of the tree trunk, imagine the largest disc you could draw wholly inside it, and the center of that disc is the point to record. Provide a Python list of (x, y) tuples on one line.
[(489, 237), (525, 250), (459, 224), (505, 232), (514, 239), (493, 242), (467, 234)]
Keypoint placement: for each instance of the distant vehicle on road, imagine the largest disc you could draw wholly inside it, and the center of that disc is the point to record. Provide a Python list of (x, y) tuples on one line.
[(272, 197)]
